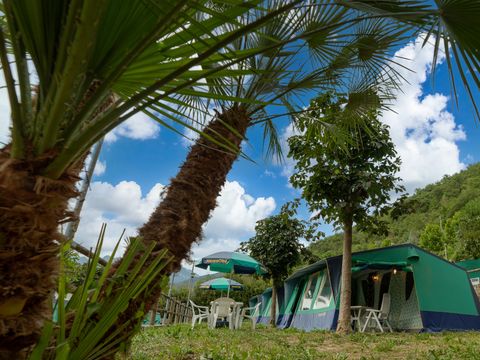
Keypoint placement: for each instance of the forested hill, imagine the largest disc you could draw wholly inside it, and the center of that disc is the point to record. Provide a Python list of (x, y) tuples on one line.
[(443, 217)]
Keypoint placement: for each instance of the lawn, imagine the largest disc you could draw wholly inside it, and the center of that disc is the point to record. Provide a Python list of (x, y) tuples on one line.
[(180, 342)]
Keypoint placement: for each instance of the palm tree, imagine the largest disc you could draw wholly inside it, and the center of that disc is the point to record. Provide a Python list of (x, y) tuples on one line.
[(343, 57), (74, 70)]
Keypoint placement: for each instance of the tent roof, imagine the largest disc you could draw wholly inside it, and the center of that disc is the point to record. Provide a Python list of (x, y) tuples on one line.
[(469, 264), (309, 269), (390, 256)]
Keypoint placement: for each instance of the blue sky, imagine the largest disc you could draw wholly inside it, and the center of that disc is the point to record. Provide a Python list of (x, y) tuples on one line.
[(433, 136)]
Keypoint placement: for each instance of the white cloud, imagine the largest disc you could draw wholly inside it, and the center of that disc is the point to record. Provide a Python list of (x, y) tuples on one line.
[(124, 206), (423, 130), (100, 168), (236, 213), (268, 173), (121, 206), (137, 127), (189, 137), (288, 166)]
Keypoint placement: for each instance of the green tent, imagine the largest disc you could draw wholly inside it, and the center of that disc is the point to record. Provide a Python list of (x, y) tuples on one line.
[(266, 299), (428, 293), (472, 267)]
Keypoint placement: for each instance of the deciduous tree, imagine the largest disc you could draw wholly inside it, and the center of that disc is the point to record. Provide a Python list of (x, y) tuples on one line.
[(344, 185), (278, 245)]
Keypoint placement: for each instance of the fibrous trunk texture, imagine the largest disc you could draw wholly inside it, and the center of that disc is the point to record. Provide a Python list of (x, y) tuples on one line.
[(344, 318), (191, 196), (31, 209)]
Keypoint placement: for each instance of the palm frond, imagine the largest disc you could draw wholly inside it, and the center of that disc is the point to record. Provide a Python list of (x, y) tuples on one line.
[(97, 303)]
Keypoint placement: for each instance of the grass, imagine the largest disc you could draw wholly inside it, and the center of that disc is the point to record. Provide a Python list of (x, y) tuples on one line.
[(180, 342)]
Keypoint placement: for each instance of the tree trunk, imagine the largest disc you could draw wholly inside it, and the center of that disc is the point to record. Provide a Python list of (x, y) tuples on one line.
[(273, 308), (31, 209), (344, 318), (191, 196), (177, 221)]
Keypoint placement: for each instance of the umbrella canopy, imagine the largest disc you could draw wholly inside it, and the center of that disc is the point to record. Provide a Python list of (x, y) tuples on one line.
[(232, 262), (221, 284)]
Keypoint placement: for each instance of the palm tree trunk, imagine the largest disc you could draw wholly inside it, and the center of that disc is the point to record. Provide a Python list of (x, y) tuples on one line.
[(191, 196), (344, 318), (177, 222), (31, 209)]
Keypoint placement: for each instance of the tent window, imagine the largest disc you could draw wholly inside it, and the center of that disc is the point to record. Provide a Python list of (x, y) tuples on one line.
[(324, 293), (310, 290)]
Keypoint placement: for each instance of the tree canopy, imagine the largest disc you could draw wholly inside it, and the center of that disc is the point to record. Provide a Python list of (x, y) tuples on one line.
[(359, 175), (277, 243)]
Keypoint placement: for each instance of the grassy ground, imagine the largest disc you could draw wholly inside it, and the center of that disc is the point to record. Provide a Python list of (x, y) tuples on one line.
[(179, 342)]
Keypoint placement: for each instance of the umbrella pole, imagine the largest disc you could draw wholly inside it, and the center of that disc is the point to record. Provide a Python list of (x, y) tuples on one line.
[(229, 281)]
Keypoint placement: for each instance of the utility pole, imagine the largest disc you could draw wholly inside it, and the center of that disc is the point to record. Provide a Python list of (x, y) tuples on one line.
[(72, 226), (192, 275)]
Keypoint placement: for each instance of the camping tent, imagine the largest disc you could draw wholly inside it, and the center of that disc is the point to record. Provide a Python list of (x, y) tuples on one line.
[(473, 269), (265, 307), (427, 292)]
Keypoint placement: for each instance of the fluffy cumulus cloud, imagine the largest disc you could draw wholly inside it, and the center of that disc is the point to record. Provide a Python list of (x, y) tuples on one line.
[(121, 206), (288, 165), (137, 127), (424, 131), (125, 206), (233, 220), (100, 168)]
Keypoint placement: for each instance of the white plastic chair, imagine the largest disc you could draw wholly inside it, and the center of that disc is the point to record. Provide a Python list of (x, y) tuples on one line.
[(223, 308), (252, 314), (379, 316), (199, 313)]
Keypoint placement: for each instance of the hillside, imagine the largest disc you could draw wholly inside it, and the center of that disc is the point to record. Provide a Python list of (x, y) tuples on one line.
[(434, 205)]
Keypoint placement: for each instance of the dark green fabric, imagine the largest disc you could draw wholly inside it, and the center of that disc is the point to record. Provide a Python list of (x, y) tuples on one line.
[(228, 261), (470, 265), (442, 286)]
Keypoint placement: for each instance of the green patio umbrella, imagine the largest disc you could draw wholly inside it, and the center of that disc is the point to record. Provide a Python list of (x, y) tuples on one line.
[(221, 284), (233, 263)]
